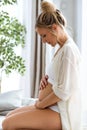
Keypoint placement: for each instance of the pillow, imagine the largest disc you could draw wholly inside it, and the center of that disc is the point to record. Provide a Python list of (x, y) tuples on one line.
[(10, 100), (28, 101), (4, 113)]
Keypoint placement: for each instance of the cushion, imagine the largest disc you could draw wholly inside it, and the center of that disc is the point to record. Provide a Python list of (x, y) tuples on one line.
[(10, 100), (28, 101), (4, 113), (1, 120)]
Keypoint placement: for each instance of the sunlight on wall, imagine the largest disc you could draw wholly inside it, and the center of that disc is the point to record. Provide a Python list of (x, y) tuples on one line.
[(84, 53)]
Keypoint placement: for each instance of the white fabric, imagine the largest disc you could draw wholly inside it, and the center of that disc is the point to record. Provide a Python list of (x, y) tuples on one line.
[(63, 73), (10, 100), (54, 108), (1, 120)]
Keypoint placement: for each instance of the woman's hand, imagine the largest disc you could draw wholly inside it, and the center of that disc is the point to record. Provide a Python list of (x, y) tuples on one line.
[(44, 82), (38, 105)]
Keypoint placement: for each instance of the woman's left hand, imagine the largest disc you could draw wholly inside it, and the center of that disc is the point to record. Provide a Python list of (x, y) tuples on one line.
[(38, 105), (44, 82)]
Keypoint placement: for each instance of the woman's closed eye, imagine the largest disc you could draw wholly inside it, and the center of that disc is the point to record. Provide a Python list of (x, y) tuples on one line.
[(43, 36)]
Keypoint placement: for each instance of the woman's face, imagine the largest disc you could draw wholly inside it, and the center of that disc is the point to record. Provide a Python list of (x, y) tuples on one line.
[(47, 36)]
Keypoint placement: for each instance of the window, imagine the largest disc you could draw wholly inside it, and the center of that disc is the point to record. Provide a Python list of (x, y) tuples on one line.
[(14, 81)]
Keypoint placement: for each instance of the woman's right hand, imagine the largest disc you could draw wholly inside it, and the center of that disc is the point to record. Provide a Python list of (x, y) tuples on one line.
[(44, 82)]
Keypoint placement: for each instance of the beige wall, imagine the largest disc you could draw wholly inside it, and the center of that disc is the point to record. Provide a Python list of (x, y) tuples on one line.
[(72, 11)]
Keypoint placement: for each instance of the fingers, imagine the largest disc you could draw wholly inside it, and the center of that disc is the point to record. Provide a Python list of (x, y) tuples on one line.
[(46, 76), (43, 85), (44, 82)]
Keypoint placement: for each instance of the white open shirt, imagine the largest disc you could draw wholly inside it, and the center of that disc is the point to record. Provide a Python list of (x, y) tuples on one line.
[(63, 73)]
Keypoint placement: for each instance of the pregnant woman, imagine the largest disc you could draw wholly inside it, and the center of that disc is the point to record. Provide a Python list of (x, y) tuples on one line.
[(58, 104)]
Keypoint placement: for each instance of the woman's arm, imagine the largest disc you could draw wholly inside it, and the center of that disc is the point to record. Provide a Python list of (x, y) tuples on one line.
[(45, 92), (46, 97)]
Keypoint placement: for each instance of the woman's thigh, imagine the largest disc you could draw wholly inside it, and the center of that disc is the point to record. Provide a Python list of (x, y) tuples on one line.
[(21, 109), (45, 119)]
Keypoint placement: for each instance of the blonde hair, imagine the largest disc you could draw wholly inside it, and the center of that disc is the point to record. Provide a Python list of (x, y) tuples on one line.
[(50, 15)]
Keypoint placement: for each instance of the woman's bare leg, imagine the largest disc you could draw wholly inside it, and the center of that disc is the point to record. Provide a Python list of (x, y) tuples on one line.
[(42, 94), (21, 109), (45, 119)]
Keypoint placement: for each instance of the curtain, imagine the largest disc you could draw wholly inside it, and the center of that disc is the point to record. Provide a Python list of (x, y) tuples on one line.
[(12, 81), (37, 53), (84, 62), (25, 9)]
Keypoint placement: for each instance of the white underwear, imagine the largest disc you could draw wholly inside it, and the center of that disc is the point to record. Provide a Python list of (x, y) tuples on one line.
[(54, 108)]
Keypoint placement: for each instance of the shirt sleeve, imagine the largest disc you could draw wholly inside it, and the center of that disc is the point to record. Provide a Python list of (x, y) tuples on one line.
[(68, 78)]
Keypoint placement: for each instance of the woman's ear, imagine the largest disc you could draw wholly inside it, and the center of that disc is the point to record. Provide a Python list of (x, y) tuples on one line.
[(54, 27)]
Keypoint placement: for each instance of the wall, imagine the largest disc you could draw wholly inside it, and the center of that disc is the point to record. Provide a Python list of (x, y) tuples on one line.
[(72, 11)]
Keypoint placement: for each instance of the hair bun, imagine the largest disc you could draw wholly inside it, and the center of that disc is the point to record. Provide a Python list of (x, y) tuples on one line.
[(48, 7)]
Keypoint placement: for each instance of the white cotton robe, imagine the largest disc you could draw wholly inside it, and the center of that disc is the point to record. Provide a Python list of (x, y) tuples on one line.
[(63, 74)]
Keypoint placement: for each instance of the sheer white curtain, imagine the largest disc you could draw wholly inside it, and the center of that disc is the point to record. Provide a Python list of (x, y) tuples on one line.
[(14, 81), (11, 82), (84, 61), (26, 52), (84, 50)]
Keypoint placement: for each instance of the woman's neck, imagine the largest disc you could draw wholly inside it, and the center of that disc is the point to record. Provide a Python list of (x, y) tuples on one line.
[(64, 37)]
